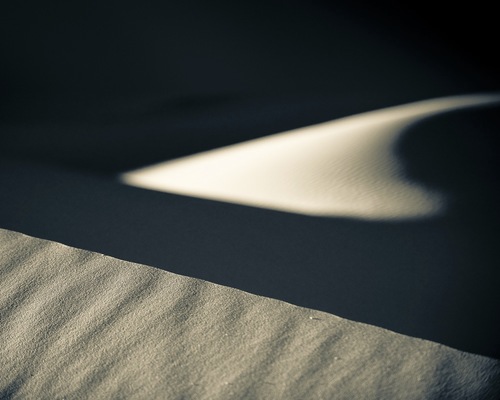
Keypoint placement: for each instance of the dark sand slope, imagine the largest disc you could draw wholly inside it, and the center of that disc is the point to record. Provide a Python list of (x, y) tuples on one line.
[(77, 324)]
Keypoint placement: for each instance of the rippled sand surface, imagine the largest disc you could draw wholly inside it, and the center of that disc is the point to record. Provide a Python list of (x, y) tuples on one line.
[(78, 324)]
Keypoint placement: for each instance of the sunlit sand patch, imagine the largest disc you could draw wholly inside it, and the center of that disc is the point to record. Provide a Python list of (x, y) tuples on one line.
[(342, 168)]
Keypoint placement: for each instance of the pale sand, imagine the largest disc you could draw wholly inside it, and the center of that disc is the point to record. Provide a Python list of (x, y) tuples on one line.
[(77, 324), (343, 168)]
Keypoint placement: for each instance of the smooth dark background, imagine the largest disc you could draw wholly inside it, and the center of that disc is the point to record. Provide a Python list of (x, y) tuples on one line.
[(108, 86), (92, 89)]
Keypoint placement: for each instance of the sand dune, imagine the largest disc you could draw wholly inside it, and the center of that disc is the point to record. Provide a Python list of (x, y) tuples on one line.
[(345, 167), (434, 278), (77, 324)]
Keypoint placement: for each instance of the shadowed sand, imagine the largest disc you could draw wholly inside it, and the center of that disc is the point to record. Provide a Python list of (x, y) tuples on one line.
[(346, 167), (77, 324)]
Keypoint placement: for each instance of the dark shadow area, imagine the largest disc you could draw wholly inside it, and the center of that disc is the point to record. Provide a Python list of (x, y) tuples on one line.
[(113, 136), (101, 49), (12, 389), (104, 87), (457, 152), (434, 279)]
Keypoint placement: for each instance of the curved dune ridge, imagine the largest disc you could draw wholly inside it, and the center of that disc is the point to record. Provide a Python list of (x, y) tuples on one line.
[(343, 168), (80, 325)]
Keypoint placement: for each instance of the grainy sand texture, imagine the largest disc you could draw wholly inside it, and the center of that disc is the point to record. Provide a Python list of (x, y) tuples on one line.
[(78, 324)]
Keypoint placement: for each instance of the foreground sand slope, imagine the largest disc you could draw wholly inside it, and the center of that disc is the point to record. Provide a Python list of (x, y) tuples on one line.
[(77, 324)]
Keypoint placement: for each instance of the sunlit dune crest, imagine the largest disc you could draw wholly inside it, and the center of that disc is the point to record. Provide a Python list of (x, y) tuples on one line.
[(344, 168)]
